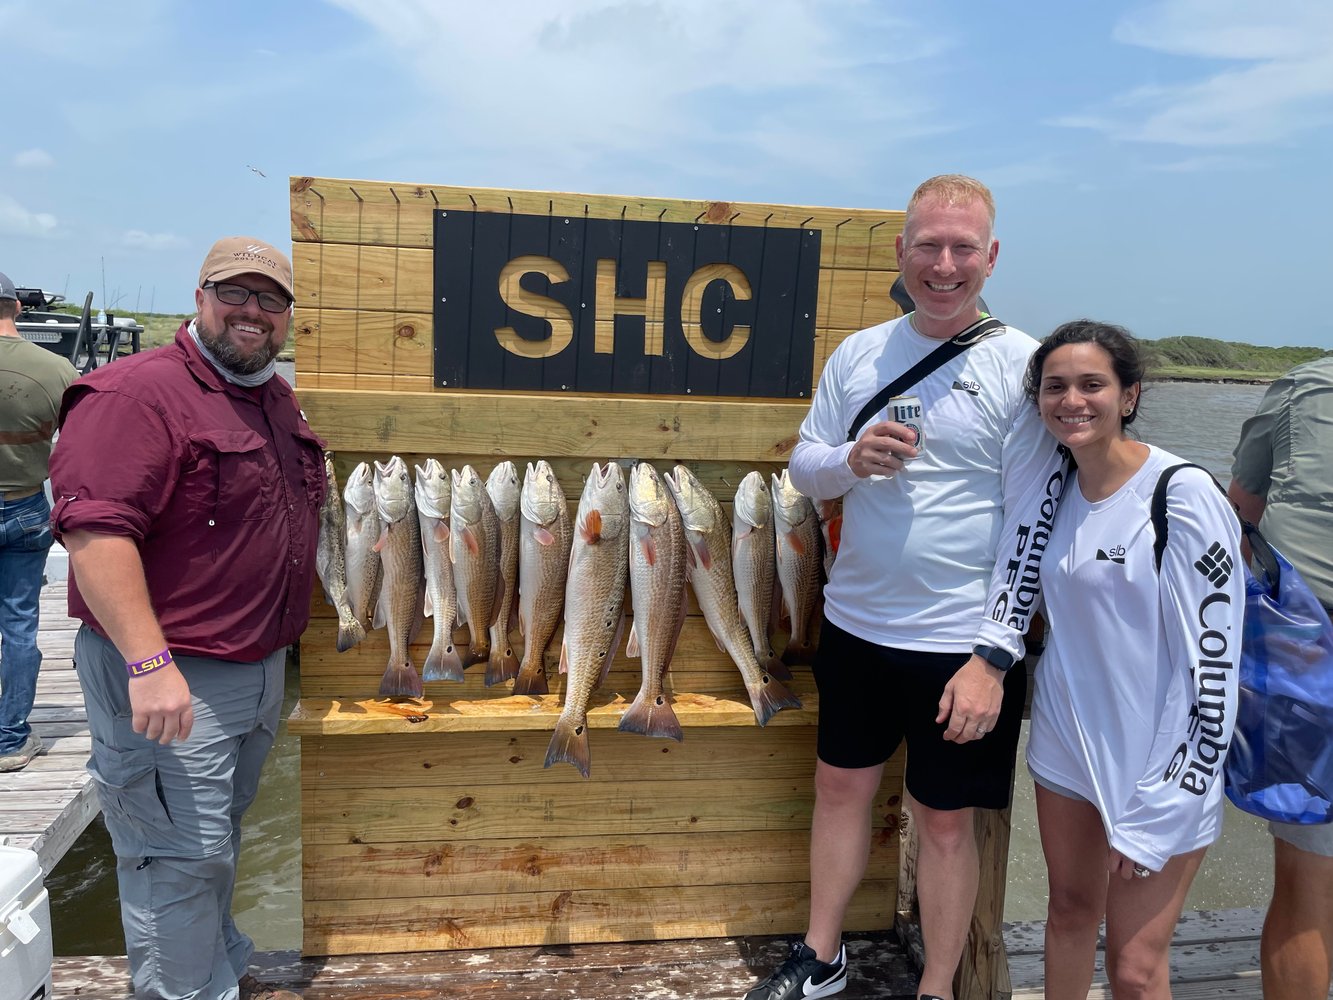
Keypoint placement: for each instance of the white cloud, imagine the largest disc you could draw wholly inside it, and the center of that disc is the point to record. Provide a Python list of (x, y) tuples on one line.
[(721, 83), (139, 240), (33, 158), (1204, 164), (1281, 88), (15, 220)]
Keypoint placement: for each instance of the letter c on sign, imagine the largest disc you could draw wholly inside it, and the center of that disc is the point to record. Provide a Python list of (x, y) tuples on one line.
[(691, 306), (539, 306)]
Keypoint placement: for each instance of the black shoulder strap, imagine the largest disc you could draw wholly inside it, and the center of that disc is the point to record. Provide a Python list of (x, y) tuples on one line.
[(1260, 550), (948, 350), (1158, 510)]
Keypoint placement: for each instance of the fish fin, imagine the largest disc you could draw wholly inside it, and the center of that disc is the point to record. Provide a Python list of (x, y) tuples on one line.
[(632, 647), (650, 550), (569, 744), (470, 541), (700, 552), (479, 648), (350, 631), (443, 664), (774, 665), (531, 677), (543, 535), (380, 619), (522, 623), (768, 696), (717, 639), (591, 526), (564, 657), (796, 542), (427, 605), (652, 717), (441, 531), (401, 681), (382, 540)]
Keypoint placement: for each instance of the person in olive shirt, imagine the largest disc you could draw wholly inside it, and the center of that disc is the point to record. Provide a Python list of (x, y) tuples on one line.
[(1282, 480), (31, 382)]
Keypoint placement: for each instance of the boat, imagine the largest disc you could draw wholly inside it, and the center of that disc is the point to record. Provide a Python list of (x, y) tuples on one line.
[(85, 340)]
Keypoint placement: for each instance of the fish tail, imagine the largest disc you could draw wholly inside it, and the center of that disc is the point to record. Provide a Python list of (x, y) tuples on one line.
[(770, 696), (569, 743), (501, 665), (652, 717), (443, 664), (798, 652), (401, 681), (479, 651), (531, 677), (772, 663), (350, 630)]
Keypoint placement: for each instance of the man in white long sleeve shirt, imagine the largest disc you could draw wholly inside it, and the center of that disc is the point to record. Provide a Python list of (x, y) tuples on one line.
[(931, 591)]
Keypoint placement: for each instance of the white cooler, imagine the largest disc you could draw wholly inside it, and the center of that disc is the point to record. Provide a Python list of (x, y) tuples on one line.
[(25, 927)]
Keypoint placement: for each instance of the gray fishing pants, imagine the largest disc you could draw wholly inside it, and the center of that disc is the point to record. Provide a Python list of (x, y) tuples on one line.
[(174, 814)]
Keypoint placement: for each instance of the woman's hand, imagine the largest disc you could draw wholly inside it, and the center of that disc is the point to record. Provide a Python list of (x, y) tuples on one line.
[(1126, 868)]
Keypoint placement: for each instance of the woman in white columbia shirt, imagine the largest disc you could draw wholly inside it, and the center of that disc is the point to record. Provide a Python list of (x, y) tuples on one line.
[(1136, 692)]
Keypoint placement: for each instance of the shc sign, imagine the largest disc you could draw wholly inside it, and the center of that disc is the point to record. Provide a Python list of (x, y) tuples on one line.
[(556, 303)]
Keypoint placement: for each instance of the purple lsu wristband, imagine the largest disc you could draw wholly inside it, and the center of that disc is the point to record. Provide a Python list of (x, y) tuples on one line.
[(147, 666)]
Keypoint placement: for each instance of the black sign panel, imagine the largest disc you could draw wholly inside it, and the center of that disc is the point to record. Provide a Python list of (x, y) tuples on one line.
[(550, 303)]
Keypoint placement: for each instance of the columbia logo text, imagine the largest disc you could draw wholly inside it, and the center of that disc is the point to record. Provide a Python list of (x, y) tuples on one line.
[(1198, 760), (1016, 604)]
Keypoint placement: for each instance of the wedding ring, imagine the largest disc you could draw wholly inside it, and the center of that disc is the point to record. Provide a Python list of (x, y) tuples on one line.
[(1141, 872), (981, 730)]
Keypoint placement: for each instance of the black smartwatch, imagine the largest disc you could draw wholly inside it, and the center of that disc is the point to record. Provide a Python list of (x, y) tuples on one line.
[(998, 658)]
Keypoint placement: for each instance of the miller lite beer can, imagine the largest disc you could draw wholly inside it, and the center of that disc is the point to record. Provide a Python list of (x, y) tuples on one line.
[(906, 410)]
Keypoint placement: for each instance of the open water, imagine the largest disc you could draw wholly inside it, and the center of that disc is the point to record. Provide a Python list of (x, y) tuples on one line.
[(1198, 421)]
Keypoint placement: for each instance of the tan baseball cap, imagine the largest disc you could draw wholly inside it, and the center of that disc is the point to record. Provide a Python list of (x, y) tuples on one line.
[(233, 255)]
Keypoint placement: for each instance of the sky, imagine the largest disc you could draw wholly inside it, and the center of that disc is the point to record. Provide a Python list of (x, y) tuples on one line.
[(1164, 165)]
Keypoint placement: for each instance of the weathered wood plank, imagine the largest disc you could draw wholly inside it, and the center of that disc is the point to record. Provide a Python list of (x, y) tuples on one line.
[(597, 427), (48, 804), (334, 717), (331, 764), (392, 214), (682, 969), (510, 865), (626, 914), (475, 811)]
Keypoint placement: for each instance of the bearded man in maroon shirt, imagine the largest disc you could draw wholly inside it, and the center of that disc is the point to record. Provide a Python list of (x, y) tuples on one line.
[(188, 487)]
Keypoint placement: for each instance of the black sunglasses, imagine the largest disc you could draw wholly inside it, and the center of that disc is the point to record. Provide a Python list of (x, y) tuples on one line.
[(238, 295)]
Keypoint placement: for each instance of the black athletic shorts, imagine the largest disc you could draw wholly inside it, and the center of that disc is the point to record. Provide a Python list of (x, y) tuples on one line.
[(871, 697)]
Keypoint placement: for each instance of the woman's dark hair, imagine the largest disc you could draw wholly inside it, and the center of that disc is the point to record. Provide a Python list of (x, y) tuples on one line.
[(1116, 341)]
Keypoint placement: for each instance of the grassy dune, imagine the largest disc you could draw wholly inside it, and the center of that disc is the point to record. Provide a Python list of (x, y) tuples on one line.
[(1205, 359)]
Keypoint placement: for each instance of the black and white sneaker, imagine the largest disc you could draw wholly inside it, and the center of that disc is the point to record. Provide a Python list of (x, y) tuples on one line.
[(804, 977)]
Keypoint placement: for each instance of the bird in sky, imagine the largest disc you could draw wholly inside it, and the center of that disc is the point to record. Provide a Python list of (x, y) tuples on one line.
[(258, 171)]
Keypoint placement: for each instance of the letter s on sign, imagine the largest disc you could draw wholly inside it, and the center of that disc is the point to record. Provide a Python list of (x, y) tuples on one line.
[(539, 306)]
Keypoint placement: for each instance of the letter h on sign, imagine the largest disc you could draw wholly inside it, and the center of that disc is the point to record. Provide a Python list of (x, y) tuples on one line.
[(620, 305)]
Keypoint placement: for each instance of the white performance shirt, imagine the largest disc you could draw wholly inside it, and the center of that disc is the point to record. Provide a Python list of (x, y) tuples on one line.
[(1136, 692), (937, 557)]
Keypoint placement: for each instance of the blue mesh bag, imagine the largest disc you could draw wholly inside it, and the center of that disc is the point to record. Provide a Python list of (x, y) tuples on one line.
[(1280, 764)]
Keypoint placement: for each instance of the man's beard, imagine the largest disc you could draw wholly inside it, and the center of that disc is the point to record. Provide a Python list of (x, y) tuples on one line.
[(230, 357)]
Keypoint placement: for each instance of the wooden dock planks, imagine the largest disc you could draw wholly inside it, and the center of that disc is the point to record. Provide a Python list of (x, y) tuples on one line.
[(46, 806), (1213, 954)]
